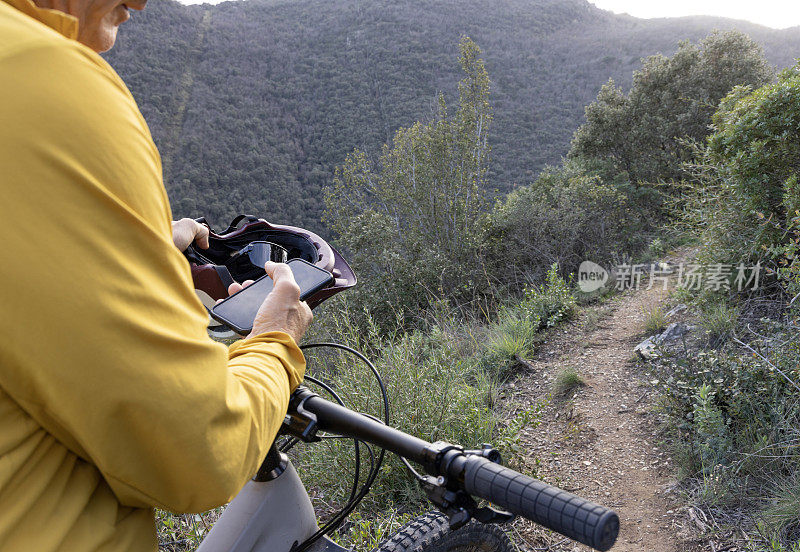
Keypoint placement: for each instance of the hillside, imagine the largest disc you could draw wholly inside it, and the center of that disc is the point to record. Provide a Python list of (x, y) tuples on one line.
[(253, 103)]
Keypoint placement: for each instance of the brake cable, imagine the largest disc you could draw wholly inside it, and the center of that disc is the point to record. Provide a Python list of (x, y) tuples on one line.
[(375, 463), (384, 394)]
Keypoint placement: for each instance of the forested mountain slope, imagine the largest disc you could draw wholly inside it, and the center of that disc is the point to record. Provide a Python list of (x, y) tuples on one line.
[(253, 103)]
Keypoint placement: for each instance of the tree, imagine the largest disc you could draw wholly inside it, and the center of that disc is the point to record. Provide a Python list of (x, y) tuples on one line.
[(412, 219), (672, 99)]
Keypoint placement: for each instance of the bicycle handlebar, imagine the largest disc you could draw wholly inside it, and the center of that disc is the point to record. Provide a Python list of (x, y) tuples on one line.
[(563, 512), (558, 510)]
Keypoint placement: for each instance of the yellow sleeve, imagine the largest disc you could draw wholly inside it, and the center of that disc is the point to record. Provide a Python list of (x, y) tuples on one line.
[(104, 339)]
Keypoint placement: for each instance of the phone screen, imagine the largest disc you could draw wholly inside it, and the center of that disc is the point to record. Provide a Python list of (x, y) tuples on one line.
[(239, 310)]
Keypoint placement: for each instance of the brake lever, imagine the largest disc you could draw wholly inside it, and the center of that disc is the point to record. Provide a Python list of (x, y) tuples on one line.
[(459, 506), (487, 514)]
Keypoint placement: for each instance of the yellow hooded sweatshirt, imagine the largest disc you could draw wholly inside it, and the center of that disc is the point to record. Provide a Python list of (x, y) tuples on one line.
[(113, 400)]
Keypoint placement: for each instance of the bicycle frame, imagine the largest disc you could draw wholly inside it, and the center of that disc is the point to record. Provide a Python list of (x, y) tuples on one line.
[(268, 516)]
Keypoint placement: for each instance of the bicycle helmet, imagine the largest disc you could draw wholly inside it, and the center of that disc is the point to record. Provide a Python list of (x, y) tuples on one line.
[(239, 252)]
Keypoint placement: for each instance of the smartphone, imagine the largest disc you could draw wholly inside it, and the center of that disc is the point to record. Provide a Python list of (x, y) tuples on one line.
[(239, 310)]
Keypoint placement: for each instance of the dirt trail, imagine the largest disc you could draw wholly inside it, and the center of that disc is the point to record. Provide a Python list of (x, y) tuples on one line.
[(600, 440)]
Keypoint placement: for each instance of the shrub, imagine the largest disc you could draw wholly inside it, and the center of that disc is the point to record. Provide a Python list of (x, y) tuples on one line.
[(745, 197), (734, 420), (439, 389), (550, 303), (642, 134), (712, 440), (412, 219), (564, 217), (755, 142)]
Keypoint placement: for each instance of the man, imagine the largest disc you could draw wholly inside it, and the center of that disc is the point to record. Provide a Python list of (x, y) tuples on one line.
[(112, 398)]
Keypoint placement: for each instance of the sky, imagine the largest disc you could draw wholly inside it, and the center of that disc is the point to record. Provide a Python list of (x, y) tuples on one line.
[(777, 14)]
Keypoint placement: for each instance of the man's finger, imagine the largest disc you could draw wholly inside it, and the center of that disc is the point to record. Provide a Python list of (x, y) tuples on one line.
[(284, 280), (237, 287), (234, 287), (278, 271), (201, 235)]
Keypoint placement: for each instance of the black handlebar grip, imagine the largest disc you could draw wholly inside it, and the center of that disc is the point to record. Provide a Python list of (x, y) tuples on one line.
[(570, 515)]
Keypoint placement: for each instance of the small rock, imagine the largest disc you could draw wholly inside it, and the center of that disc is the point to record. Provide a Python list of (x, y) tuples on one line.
[(647, 349), (673, 332), (677, 309)]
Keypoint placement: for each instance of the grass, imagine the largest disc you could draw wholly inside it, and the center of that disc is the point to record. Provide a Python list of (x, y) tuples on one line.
[(719, 320), (732, 419), (181, 532), (567, 380), (366, 533), (783, 514), (775, 545), (511, 338), (442, 385), (655, 319)]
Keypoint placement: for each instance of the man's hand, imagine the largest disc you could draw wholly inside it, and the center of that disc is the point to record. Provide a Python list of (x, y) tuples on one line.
[(282, 310), (186, 231)]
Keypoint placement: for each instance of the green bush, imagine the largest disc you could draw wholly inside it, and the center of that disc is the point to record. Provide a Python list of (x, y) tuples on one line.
[(550, 303), (734, 420), (439, 388), (755, 142), (745, 197), (642, 134), (711, 440), (566, 216), (412, 219)]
